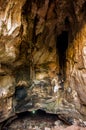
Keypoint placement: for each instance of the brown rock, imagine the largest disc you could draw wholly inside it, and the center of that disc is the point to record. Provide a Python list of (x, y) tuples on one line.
[(40, 40)]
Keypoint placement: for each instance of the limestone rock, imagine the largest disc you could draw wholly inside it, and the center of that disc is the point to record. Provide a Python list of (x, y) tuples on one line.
[(39, 41), (7, 89)]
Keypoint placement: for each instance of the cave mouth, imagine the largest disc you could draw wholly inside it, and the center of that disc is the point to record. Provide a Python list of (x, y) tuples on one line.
[(35, 117), (37, 113), (61, 47)]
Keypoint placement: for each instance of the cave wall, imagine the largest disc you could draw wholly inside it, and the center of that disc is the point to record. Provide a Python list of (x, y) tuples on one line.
[(30, 57), (77, 70)]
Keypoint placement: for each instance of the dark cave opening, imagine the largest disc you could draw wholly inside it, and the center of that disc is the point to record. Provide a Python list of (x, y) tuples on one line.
[(20, 93), (37, 113), (28, 116), (61, 46)]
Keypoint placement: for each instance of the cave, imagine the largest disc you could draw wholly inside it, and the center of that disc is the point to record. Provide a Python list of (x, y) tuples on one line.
[(61, 47), (36, 117), (43, 60)]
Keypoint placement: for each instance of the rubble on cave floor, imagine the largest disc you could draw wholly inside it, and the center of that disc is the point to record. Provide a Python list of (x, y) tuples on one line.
[(37, 120)]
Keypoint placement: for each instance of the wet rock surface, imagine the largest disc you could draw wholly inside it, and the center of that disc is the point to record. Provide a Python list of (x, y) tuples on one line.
[(42, 58)]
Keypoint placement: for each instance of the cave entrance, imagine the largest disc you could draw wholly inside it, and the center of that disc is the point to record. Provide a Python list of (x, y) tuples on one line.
[(36, 114), (61, 46), (30, 119)]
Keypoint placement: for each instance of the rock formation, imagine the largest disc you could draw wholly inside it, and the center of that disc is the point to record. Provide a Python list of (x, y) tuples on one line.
[(43, 43)]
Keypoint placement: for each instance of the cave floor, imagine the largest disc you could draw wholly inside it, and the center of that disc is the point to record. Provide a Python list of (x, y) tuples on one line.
[(33, 121), (37, 120)]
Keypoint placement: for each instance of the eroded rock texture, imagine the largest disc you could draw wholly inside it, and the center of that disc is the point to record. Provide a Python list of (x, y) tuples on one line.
[(43, 57)]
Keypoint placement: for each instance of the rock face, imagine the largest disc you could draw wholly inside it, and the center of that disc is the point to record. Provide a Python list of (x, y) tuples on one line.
[(43, 58)]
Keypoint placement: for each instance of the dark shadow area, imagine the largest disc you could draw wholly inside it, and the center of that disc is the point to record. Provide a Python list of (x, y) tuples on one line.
[(37, 113), (83, 9), (20, 93), (62, 45)]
